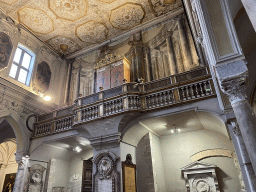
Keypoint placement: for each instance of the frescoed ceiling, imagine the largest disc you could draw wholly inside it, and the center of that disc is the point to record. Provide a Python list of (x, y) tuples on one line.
[(70, 25)]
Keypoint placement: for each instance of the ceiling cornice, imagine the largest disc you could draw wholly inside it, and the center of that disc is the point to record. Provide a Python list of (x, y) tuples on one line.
[(136, 29)]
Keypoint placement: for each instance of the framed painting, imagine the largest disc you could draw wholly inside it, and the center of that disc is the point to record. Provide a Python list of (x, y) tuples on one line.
[(129, 177), (9, 182)]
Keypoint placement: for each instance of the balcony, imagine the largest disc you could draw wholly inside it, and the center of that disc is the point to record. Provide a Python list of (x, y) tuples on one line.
[(129, 97)]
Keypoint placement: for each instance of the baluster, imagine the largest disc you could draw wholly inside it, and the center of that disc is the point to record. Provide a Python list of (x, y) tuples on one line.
[(183, 94), (201, 90), (205, 88), (197, 91), (210, 86), (138, 101), (148, 103), (192, 91), (165, 97), (161, 98), (157, 99), (187, 92)]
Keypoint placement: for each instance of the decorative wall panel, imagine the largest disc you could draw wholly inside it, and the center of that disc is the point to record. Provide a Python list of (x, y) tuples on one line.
[(68, 9), (5, 49), (127, 16), (36, 20), (92, 32)]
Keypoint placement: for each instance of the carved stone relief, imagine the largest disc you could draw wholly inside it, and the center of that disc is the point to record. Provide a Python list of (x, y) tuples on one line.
[(5, 49), (200, 177), (106, 178), (36, 178)]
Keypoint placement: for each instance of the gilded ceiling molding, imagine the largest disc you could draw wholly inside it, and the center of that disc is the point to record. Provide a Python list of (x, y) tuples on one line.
[(69, 10), (8, 2), (58, 41), (127, 16), (91, 32), (36, 20)]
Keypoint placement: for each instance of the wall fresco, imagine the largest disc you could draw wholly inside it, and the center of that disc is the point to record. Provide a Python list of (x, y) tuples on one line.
[(5, 49), (43, 77)]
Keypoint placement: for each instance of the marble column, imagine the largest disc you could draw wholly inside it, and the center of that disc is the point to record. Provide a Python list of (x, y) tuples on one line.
[(246, 162), (250, 6), (187, 59), (70, 68), (171, 55), (160, 64), (154, 65), (138, 68), (21, 175), (148, 65), (235, 89), (78, 80)]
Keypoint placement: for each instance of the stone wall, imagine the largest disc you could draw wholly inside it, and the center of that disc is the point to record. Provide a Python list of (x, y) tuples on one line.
[(145, 180)]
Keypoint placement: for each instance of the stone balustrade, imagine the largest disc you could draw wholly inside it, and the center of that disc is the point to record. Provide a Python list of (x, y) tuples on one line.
[(130, 97)]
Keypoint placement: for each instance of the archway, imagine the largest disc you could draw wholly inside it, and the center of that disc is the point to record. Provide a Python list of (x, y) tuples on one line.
[(166, 144)]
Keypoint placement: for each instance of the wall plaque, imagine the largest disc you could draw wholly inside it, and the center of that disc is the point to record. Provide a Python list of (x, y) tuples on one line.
[(129, 177), (200, 177), (106, 178)]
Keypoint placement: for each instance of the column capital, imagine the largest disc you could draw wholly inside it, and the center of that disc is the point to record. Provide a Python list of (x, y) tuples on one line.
[(235, 88)]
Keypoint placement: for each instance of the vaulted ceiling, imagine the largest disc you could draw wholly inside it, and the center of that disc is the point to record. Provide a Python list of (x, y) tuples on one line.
[(70, 25)]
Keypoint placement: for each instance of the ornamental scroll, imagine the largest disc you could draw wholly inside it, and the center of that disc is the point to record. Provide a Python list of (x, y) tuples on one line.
[(106, 178)]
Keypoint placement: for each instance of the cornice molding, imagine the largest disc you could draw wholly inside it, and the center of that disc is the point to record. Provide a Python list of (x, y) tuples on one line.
[(17, 98)]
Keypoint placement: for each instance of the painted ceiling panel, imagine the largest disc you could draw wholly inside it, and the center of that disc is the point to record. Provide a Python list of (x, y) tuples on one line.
[(70, 25)]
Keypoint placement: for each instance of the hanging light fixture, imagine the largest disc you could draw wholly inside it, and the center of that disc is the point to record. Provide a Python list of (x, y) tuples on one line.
[(175, 130)]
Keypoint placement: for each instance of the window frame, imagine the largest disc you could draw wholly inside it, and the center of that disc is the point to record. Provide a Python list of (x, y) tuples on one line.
[(19, 65)]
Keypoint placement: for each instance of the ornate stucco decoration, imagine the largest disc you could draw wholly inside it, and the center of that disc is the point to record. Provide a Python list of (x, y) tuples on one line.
[(36, 178), (200, 177), (36, 20), (8, 2), (57, 41), (163, 6), (106, 178), (68, 9), (127, 16), (92, 32), (109, 58)]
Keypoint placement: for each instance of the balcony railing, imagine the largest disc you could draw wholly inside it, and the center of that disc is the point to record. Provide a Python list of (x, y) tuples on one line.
[(129, 97)]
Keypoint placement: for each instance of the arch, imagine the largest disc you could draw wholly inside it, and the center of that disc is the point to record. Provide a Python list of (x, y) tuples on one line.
[(212, 153), (19, 129), (186, 119)]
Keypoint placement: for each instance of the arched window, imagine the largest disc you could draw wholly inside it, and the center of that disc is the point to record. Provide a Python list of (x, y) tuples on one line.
[(22, 65)]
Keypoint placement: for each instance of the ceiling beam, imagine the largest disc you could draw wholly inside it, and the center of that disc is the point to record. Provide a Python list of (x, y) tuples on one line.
[(136, 29)]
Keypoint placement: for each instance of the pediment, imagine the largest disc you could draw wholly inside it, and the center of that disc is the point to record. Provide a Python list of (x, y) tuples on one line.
[(198, 165)]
